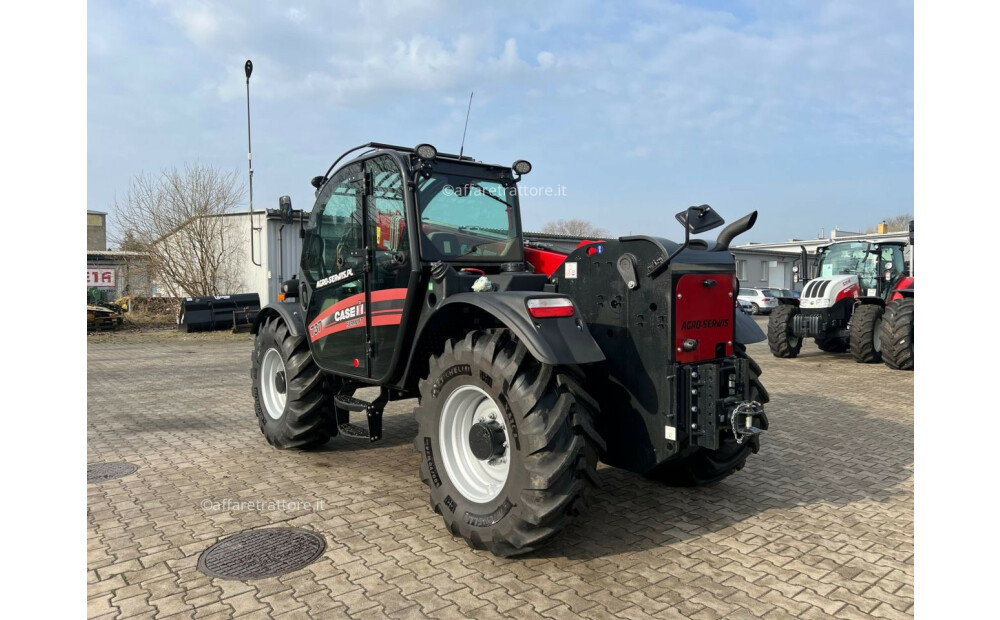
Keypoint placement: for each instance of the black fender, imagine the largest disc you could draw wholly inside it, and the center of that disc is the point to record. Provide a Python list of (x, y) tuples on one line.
[(554, 341), (870, 301), (291, 314), (746, 330)]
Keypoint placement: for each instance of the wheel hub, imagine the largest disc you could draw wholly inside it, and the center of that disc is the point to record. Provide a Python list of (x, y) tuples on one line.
[(473, 440), (273, 384), (487, 440)]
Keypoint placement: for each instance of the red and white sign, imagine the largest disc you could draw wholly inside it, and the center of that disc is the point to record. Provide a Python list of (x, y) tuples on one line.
[(101, 277)]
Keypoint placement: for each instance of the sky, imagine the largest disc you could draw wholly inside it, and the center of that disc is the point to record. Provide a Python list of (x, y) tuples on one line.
[(630, 112)]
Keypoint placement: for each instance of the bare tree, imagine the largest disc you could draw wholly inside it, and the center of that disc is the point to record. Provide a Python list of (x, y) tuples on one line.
[(896, 223), (175, 219), (574, 228)]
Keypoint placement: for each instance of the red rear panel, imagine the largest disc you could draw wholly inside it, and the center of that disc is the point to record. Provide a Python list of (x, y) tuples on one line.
[(703, 314)]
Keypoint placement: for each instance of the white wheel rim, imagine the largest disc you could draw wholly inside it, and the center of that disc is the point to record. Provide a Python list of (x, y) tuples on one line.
[(273, 384), (877, 339), (477, 480)]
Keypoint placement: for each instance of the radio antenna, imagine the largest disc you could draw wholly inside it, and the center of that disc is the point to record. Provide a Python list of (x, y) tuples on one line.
[(462, 149), (248, 69)]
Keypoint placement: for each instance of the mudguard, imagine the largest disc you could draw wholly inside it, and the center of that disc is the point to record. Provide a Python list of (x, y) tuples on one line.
[(746, 330), (290, 313), (554, 341)]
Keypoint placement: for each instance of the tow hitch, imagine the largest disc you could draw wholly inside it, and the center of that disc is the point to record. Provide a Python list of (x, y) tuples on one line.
[(744, 417), (714, 397)]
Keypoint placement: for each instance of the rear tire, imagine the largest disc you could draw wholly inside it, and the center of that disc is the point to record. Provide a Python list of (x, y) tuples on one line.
[(754, 309), (866, 338), (897, 335), (290, 393), (708, 466), (780, 338), (549, 445)]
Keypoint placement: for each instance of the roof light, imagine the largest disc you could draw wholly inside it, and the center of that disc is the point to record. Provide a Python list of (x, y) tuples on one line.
[(426, 151), (522, 166), (550, 307)]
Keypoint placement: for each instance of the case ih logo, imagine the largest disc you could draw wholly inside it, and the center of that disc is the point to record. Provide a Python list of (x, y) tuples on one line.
[(349, 313)]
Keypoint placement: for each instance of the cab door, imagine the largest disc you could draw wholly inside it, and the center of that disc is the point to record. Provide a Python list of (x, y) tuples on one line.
[(334, 262), (390, 259)]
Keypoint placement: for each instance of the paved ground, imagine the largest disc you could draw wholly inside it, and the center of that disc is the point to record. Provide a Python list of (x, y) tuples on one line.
[(819, 523)]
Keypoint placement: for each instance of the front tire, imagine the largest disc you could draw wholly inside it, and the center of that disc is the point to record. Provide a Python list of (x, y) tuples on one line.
[(289, 390), (866, 338), (897, 335), (781, 338), (508, 446), (709, 466)]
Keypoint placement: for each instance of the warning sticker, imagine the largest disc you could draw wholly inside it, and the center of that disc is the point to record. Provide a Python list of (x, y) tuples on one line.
[(570, 271), (670, 433)]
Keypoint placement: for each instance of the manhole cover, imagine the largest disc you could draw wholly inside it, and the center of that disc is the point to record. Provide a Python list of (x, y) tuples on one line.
[(99, 472), (257, 554)]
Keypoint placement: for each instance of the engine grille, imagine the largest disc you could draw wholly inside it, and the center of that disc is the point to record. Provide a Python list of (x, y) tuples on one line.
[(816, 288)]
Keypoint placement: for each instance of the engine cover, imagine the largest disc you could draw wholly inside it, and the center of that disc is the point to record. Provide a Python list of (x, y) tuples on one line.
[(825, 292)]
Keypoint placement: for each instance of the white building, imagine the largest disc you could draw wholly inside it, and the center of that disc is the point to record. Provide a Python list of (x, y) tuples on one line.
[(264, 249)]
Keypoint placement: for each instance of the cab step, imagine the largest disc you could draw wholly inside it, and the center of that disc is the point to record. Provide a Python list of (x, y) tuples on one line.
[(349, 403), (353, 431), (373, 410)]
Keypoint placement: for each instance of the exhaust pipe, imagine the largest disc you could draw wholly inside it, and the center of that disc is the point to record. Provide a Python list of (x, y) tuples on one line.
[(732, 231)]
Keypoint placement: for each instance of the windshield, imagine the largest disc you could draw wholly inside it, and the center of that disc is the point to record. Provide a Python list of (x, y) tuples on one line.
[(847, 258), (467, 218)]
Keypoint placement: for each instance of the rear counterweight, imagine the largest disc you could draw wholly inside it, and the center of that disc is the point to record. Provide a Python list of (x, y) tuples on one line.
[(652, 333)]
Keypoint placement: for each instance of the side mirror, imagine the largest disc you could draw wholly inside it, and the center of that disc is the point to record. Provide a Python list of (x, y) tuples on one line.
[(289, 289), (699, 219)]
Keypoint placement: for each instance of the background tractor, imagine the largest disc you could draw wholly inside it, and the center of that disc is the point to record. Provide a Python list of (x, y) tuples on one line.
[(532, 357), (861, 301)]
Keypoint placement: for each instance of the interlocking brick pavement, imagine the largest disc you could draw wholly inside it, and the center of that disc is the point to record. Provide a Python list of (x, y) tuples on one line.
[(819, 524)]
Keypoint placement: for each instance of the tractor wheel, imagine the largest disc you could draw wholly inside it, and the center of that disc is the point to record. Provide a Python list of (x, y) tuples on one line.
[(289, 390), (866, 334), (897, 335), (832, 344), (780, 338), (708, 466), (507, 443)]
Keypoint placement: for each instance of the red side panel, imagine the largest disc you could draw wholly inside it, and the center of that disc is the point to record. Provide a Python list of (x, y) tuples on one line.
[(704, 314), (852, 290), (544, 261), (349, 313)]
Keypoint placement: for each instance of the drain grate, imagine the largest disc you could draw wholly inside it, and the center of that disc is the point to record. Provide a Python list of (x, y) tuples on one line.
[(256, 554), (99, 472)]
